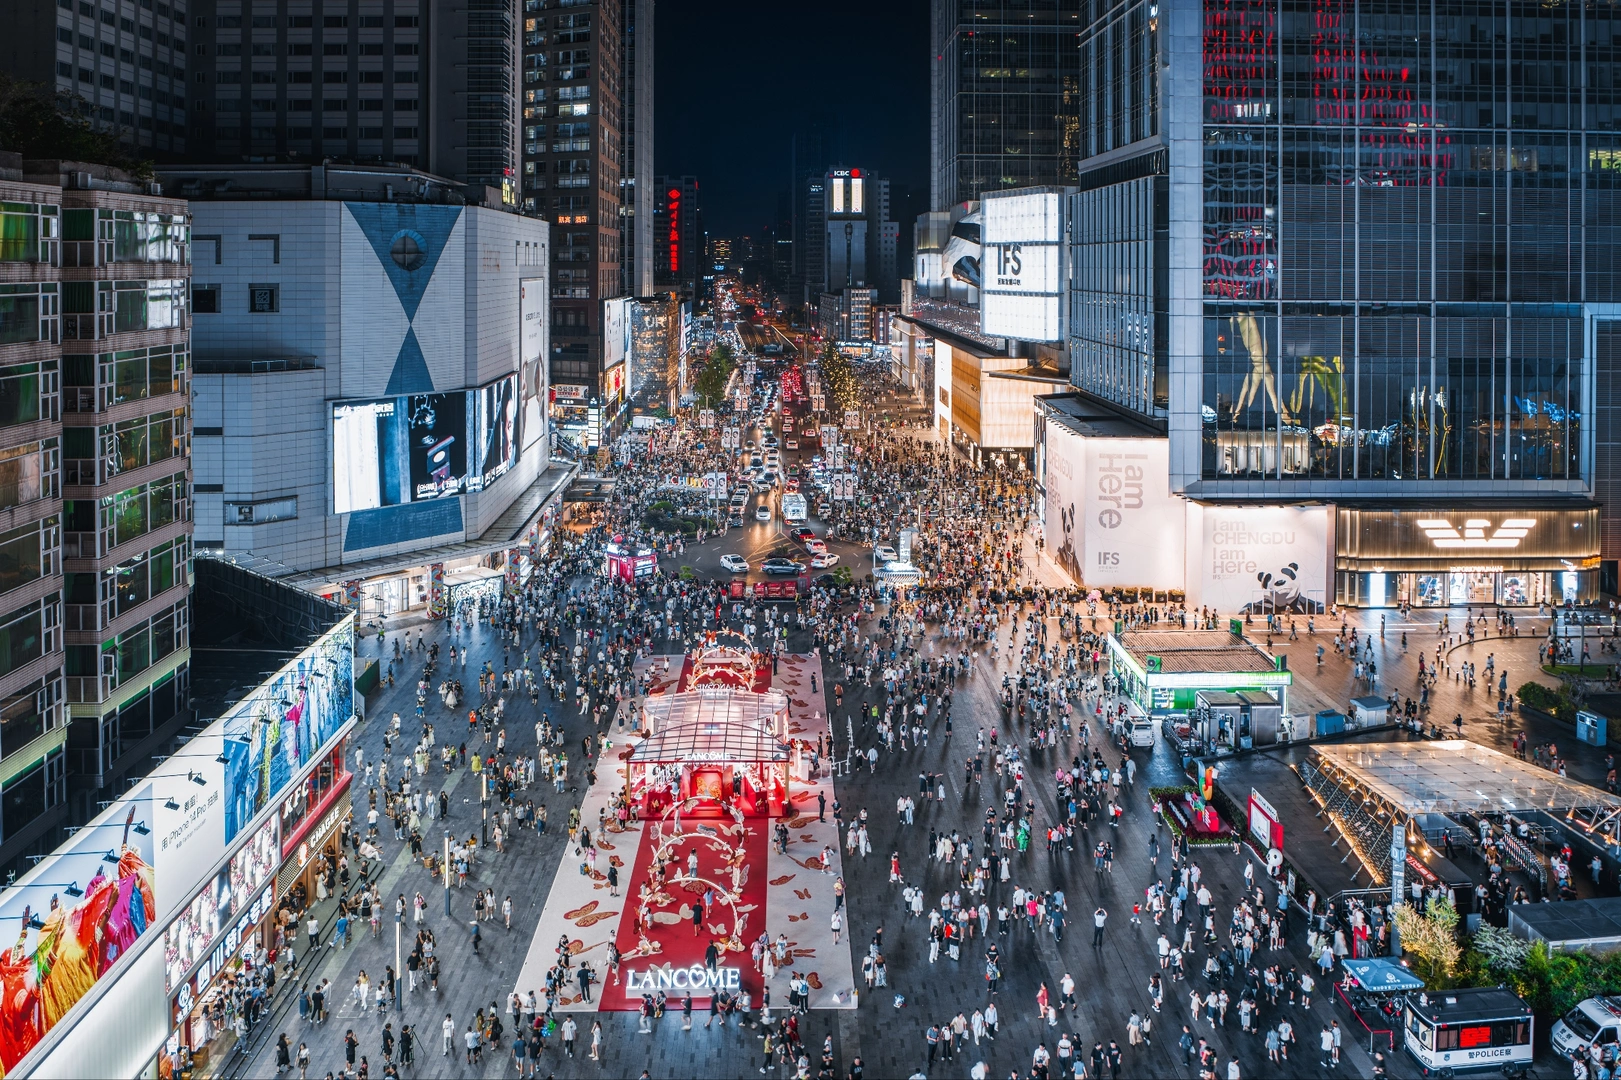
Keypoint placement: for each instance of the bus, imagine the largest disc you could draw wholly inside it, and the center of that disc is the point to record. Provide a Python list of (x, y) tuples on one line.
[(793, 508)]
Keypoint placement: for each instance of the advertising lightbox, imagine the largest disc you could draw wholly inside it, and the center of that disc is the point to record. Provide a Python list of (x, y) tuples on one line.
[(532, 356), (1111, 517), (495, 431), (1022, 268)]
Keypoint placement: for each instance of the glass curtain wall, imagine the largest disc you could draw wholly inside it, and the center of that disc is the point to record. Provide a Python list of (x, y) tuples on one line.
[(1405, 209)]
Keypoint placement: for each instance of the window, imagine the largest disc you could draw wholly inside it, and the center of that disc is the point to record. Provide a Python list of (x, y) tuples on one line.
[(406, 22), (264, 299), (371, 22), (205, 299), (258, 513), (335, 22), (28, 714), (298, 22), (23, 634), (27, 552), (405, 48), (23, 389), (28, 472), (334, 49)]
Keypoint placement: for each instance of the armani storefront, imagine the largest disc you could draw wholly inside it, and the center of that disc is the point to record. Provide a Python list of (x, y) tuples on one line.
[(1458, 557)]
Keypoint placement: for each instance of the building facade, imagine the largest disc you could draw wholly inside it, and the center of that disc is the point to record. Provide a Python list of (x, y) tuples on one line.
[(96, 485), (127, 62), (429, 85), (678, 236), (637, 180), (370, 381), (1006, 95), (574, 145), (1354, 256)]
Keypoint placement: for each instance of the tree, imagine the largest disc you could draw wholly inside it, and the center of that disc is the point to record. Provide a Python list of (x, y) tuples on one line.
[(38, 122), (838, 379), (1431, 937), (710, 384)]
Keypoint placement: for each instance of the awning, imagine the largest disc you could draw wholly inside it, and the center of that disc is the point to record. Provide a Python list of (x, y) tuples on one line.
[(1382, 976)]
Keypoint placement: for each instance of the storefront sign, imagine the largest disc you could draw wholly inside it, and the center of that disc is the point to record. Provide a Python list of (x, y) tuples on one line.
[(696, 978), (199, 924), (227, 948), (1437, 536), (321, 821)]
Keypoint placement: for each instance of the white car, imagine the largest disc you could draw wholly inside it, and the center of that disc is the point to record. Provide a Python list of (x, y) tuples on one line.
[(762, 513), (737, 564), (883, 554), (823, 559), (815, 545)]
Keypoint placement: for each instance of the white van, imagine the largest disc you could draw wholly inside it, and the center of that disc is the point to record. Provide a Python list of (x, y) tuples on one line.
[(1596, 1020), (1141, 732)]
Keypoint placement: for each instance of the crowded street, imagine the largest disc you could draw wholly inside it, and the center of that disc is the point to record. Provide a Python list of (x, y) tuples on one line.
[(1009, 894)]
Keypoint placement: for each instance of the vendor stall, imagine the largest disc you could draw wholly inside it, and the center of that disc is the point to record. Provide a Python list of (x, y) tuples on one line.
[(717, 751)]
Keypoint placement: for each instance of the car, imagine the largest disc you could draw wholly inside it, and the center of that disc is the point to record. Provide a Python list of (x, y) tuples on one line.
[(816, 545), (883, 554), (769, 479), (791, 485), (771, 440), (823, 508), (794, 470), (737, 564), (762, 512), (782, 567), (792, 443), (823, 559), (739, 499), (756, 462), (736, 519), (802, 534)]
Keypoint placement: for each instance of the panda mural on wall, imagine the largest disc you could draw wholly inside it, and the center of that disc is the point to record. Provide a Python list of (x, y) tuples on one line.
[(1281, 594)]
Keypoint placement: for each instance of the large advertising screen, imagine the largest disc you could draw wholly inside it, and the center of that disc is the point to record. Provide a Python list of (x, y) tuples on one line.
[(532, 355), (494, 424), (393, 451)]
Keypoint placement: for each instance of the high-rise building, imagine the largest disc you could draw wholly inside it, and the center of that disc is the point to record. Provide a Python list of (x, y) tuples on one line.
[(574, 150), (1356, 265), (95, 479), (849, 238), (636, 180), (1006, 94), (127, 62), (352, 412), (678, 236), (430, 85)]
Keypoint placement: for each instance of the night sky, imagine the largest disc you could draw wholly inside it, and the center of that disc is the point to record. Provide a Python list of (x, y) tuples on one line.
[(734, 80)]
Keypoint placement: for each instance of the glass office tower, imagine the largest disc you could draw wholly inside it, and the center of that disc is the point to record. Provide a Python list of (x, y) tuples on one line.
[(1364, 253)]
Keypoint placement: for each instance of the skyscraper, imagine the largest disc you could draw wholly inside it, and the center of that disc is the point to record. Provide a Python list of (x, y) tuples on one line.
[(1356, 253), (431, 85), (127, 61), (636, 181), (679, 236), (1005, 96), (573, 162)]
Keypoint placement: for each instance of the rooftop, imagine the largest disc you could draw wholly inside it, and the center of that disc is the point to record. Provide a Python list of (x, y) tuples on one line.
[(1195, 650), (1457, 775), (1084, 416), (713, 724)]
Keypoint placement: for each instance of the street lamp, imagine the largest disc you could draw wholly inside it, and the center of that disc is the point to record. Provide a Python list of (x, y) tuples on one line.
[(446, 870)]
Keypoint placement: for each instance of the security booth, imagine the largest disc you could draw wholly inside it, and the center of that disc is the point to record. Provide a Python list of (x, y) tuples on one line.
[(1367, 712), (1467, 1030), (1169, 671)]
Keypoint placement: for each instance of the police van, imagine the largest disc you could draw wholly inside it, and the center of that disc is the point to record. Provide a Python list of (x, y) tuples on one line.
[(1462, 1030), (1596, 1020)]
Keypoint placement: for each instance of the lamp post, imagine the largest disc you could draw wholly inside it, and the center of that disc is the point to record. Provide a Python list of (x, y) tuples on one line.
[(446, 869), (484, 804), (399, 1004)]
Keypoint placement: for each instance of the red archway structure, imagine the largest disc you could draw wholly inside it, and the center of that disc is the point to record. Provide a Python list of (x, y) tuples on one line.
[(722, 748)]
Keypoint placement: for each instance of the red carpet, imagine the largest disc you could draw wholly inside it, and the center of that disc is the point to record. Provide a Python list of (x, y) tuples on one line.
[(672, 932)]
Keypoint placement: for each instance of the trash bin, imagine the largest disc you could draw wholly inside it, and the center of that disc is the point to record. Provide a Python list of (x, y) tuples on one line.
[(1591, 728), (1330, 722)]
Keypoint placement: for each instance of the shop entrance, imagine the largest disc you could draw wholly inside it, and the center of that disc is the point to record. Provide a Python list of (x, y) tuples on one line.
[(1472, 587)]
